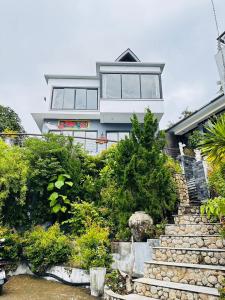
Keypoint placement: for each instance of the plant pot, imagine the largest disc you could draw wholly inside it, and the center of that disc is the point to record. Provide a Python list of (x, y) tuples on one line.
[(97, 281)]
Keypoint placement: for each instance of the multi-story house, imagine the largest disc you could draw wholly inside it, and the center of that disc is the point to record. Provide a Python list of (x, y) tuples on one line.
[(101, 106)]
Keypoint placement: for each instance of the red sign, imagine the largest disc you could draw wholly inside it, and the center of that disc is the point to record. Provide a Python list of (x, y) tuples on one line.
[(70, 124)]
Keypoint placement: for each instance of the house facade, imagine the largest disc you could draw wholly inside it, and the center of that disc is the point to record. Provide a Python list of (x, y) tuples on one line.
[(101, 106)]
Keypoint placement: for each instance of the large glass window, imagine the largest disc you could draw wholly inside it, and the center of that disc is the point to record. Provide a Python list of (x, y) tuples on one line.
[(81, 137), (68, 100), (111, 84), (150, 86), (71, 98), (116, 136), (92, 99), (80, 99), (57, 98), (131, 86)]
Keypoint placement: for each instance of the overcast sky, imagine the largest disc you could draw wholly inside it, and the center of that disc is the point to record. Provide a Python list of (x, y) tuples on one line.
[(69, 36)]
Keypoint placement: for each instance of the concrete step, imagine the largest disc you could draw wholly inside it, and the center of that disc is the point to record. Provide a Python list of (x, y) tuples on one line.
[(203, 275), (191, 219), (203, 256), (193, 229), (192, 241), (171, 290)]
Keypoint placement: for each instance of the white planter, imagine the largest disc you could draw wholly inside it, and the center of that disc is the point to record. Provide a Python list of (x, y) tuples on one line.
[(97, 280)]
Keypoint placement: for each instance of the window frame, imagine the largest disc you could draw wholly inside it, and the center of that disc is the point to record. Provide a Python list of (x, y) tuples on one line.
[(121, 87), (74, 105), (74, 134)]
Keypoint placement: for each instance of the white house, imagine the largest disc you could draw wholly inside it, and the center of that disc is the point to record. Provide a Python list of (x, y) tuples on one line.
[(102, 105)]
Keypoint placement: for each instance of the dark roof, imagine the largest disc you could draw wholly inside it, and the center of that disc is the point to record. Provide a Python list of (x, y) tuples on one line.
[(195, 112)]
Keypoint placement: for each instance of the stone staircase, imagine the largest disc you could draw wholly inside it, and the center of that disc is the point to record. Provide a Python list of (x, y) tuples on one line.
[(190, 262)]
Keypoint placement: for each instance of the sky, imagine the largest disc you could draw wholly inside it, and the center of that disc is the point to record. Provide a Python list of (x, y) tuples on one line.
[(69, 36)]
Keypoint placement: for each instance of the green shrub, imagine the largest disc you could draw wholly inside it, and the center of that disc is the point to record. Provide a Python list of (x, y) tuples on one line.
[(13, 184), (217, 180), (92, 249), (12, 244), (45, 248), (195, 138), (83, 215)]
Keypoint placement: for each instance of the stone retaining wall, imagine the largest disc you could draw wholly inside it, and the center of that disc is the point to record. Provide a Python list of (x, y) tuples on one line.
[(190, 256), (209, 277), (158, 292), (186, 209), (211, 242), (192, 229), (191, 219)]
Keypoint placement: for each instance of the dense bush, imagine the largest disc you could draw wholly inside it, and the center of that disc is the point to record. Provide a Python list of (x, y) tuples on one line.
[(45, 248), (217, 180), (83, 215), (13, 184), (92, 249), (12, 244)]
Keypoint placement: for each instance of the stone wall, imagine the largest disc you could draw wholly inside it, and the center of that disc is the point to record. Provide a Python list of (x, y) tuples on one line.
[(210, 241), (158, 292), (192, 229), (191, 219), (188, 275), (191, 256), (182, 188)]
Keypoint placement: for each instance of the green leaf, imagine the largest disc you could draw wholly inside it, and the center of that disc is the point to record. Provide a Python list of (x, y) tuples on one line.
[(66, 176), (56, 208), (61, 177), (67, 201), (50, 186), (59, 184), (53, 196), (70, 183), (53, 203), (63, 209)]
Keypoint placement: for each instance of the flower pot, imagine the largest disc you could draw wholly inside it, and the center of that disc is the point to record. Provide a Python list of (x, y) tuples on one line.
[(97, 280)]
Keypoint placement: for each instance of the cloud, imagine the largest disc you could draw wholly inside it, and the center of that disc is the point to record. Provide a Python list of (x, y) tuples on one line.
[(68, 37)]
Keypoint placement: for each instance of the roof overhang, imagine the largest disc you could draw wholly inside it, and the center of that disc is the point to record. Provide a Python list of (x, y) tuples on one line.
[(57, 76), (215, 106), (160, 66)]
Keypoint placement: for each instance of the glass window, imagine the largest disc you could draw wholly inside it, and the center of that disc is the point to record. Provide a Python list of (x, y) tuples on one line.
[(111, 86), (80, 99), (92, 99), (78, 134), (111, 136), (67, 133), (150, 86), (57, 98), (91, 145), (131, 86), (122, 135), (68, 102)]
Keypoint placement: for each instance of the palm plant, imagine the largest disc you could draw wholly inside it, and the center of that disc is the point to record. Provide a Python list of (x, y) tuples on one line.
[(213, 143)]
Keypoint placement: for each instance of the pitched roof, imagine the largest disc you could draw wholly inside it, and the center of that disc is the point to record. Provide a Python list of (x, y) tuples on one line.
[(128, 56)]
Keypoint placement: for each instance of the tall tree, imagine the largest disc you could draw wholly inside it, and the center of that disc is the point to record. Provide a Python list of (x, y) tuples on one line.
[(9, 120), (143, 179)]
